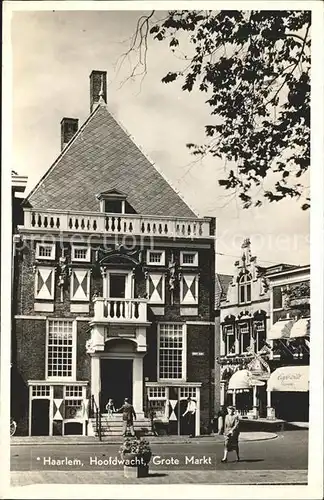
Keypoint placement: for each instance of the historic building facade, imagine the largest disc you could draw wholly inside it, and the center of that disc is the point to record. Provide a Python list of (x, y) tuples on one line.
[(264, 334), (114, 287)]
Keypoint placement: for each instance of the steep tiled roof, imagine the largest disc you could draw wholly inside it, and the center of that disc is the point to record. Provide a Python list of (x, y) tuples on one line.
[(222, 283), (102, 157)]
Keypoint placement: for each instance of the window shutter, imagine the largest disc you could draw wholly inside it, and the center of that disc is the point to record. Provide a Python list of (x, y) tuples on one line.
[(80, 284), (155, 288), (44, 283), (189, 289)]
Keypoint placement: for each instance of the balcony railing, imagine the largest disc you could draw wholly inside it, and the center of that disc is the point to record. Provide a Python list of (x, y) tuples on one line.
[(125, 224), (120, 310)]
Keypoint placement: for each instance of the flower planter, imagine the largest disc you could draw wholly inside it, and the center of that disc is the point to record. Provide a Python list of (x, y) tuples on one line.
[(136, 465)]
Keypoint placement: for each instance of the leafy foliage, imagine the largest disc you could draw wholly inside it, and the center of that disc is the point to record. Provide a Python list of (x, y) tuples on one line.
[(135, 446), (254, 67)]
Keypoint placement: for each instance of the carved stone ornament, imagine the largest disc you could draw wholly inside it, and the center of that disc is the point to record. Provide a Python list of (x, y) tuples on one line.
[(90, 347), (63, 272)]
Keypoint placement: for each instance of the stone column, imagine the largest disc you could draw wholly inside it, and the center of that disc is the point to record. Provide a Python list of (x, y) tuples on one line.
[(234, 397), (138, 386), (197, 422), (95, 377), (222, 398)]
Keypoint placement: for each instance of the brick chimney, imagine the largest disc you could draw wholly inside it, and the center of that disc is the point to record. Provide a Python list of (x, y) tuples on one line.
[(98, 88), (69, 127)]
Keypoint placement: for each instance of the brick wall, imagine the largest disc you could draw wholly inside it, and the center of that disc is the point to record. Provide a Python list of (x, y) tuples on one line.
[(200, 339), (83, 358)]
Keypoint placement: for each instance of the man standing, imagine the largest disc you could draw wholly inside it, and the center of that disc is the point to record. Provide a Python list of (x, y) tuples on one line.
[(128, 415), (191, 411)]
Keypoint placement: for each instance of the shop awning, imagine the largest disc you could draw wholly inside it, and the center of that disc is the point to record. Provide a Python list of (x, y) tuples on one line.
[(280, 330), (289, 379), (300, 329), (240, 380)]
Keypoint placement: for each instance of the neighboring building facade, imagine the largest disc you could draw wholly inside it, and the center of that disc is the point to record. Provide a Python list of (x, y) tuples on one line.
[(114, 287), (263, 326)]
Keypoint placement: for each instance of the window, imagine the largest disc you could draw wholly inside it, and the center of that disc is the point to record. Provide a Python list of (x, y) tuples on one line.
[(245, 336), (189, 258), (41, 391), (156, 257), (114, 206), (189, 289), (80, 253), (156, 392), (229, 339), (245, 288), (45, 251), (73, 391), (171, 356), (277, 297), (44, 283), (260, 333), (188, 392), (61, 349), (80, 285)]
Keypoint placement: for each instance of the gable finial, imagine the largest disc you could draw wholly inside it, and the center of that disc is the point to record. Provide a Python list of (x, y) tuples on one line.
[(101, 93)]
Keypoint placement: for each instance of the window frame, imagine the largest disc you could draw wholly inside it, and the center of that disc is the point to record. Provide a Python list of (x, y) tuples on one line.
[(148, 258), (242, 334), (245, 284), (189, 252), (45, 257), (184, 353), (80, 247), (69, 378), (227, 336)]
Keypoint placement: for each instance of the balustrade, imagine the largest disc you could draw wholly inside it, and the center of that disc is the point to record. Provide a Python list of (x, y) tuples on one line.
[(120, 310), (89, 222)]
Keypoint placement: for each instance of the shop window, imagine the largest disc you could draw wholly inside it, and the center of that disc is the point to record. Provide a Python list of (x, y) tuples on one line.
[(244, 288), (156, 393), (188, 392), (171, 352)]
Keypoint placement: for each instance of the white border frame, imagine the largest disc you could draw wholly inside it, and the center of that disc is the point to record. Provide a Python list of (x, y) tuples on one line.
[(189, 302), (52, 284), (155, 302)]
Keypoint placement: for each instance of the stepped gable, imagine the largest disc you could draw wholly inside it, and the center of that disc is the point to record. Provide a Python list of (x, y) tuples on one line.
[(102, 157)]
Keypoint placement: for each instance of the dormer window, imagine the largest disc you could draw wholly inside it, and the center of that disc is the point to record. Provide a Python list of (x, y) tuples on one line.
[(114, 202), (245, 288)]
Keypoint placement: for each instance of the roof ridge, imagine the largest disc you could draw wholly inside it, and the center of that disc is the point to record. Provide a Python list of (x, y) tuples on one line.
[(62, 153), (154, 165)]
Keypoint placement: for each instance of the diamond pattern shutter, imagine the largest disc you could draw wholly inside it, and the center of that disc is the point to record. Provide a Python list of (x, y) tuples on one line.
[(58, 409), (189, 289), (80, 284), (156, 287), (44, 283)]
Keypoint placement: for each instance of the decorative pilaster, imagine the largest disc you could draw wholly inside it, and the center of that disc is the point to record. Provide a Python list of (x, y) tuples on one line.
[(95, 378), (138, 386)]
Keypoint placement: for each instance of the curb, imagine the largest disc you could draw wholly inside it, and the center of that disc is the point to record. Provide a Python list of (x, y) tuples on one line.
[(29, 441)]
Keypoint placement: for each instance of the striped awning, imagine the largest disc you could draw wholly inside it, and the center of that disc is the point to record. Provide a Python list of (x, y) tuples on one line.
[(280, 330), (300, 329)]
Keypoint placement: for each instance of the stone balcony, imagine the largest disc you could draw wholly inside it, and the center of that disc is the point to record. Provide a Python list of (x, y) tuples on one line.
[(54, 221), (120, 311), (118, 319)]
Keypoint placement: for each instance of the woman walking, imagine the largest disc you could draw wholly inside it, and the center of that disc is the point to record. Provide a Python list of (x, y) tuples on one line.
[(231, 433)]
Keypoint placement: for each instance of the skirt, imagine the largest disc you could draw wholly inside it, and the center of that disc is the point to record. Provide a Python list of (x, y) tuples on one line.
[(231, 442)]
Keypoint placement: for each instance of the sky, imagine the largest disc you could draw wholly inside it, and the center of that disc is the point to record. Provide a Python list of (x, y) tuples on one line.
[(53, 54)]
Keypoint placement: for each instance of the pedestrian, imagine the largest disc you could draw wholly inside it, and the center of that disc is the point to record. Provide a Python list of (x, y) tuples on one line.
[(190, 412), (231, 433), (128, 417), (110, 407), (220, 419), (152, 414)]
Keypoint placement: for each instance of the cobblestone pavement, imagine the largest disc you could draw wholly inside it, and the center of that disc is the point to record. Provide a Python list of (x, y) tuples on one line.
[(164, 477)]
